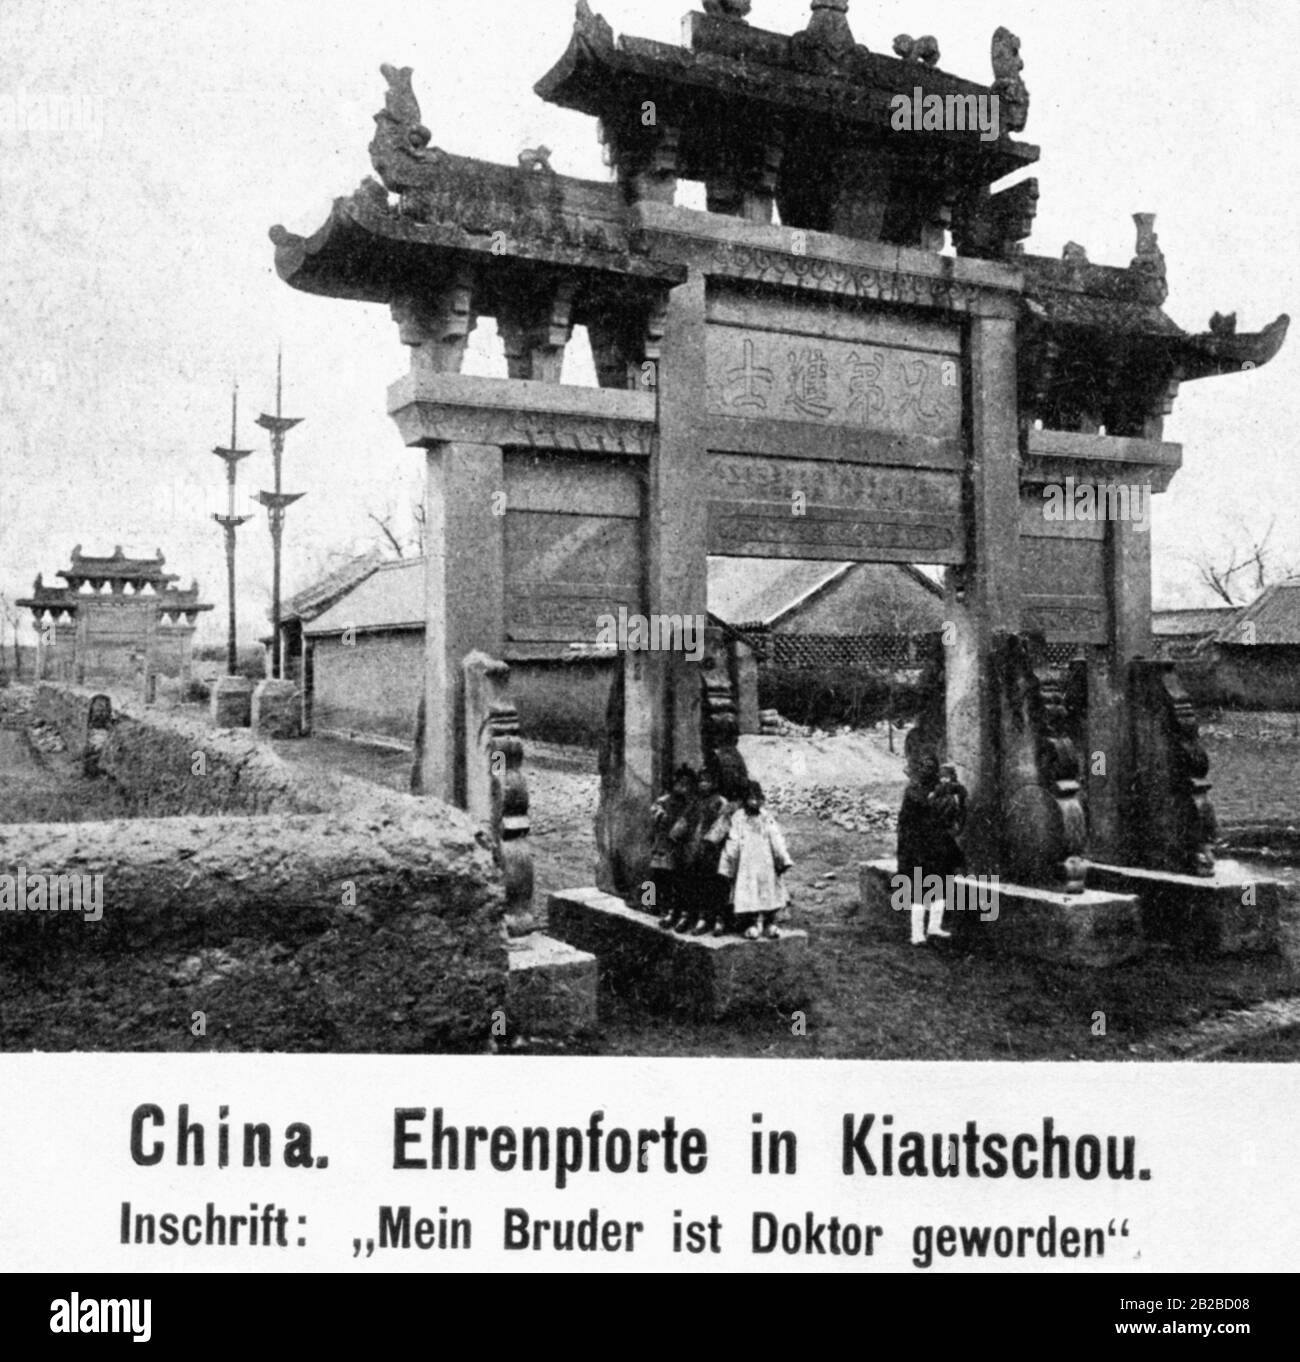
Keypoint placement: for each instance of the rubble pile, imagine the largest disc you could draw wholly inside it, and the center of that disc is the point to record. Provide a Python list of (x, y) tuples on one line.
[(846, 808)]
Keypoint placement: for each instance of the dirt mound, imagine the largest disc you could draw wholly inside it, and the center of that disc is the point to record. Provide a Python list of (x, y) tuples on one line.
[(851, 760)]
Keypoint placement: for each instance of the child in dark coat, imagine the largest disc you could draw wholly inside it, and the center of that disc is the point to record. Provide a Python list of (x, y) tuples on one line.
[(712, 824), (672, 817)]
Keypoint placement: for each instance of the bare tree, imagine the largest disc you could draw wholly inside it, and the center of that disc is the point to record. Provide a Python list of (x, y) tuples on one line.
[(1251, 559), (387, 531), (388, 524)]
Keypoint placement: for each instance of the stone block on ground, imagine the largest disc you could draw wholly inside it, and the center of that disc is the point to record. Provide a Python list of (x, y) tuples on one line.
[(276, 710), (232, 702), (705, 978), (1094, 928), (550, 988), (1223, 914)]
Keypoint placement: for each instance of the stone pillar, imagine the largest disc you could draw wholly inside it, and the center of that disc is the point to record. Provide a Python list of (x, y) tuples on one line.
[(677, 535), (464, 596), (464, 529), (1128, 591), (80, 648), (308, 660), (746, 688), (983, 597), (1108, 764), (629, 776)]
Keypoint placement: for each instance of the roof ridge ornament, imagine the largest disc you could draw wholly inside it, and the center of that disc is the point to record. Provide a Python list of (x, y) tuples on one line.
[(592, 30), (827, 45), (1007, 83), (1149, 259), (735, 10), (400, 148), (924, 49)]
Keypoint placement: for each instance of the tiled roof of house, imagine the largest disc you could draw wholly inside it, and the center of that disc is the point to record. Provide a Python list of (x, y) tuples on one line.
[(1201, 620), (1272, 618), (742, 591), (760, 592), (313, 600), (391, 597)]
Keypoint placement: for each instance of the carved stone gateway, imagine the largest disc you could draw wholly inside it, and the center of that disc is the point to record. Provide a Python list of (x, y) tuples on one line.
[(831, 387), (118, 621)]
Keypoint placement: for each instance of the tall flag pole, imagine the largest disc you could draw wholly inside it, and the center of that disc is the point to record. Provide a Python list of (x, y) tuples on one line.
[(276, 503), (230, 522)]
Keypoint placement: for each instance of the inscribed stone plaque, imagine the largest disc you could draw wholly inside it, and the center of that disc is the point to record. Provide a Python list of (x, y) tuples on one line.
[(833, 433), (790, 377), (572, 546), (1063, 584), (803, 508)]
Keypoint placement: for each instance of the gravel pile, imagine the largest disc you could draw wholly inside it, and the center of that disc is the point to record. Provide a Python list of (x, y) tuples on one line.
[(46, 739), (846, 808), (15, 706)]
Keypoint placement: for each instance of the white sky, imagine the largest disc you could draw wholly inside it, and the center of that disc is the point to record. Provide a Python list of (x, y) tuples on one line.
[(136, 276)]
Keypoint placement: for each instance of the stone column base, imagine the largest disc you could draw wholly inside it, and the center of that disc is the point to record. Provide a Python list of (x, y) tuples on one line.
[(1093, 928), (1222, 914), (704, 978), (277, 710), (550, 988), (232, 702)]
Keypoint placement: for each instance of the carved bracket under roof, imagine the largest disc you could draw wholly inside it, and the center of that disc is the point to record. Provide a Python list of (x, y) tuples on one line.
[(992, 226), (626, 334), (437, 328), (644, 155), (536, 328)]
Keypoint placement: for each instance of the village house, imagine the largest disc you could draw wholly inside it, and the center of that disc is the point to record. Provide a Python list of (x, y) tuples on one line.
[(355, 640)]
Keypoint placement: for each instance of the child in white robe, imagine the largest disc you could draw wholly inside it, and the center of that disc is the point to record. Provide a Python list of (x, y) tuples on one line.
[(755, 859)]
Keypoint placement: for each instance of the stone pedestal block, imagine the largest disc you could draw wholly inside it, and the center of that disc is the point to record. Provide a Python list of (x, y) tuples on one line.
[(550, 988), (1222, 914), (232, 702), (1092, 928), (704, 978), (277, 710)]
